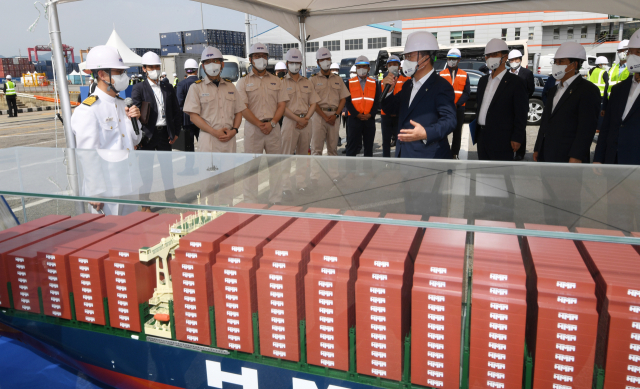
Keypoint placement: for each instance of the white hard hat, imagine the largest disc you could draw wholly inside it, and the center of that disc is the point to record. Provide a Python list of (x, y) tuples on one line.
[(623, 44), (104, 57), (164, 73), (515, 54), (634, 42), (151, 58), (353, 69), (334, 66), (393, 58), (8, 76), (174, 74), (362, 60), (281, 66), (190, 64), (323, 53), (210, 52), (454, 53), (571, 50), (293, 55), (258, 48), (602, 60), (420, 41), (495, 45), (140, 75)]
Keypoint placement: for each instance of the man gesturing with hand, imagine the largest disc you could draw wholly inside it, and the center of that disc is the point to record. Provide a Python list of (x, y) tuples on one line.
[(425, 105)]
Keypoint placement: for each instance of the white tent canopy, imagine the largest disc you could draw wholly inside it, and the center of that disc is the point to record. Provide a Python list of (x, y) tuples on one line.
[(128, 57), (323, 17)]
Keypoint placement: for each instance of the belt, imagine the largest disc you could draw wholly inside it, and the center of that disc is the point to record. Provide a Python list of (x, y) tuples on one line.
[(158, 128), (330, 109), (266, 120)]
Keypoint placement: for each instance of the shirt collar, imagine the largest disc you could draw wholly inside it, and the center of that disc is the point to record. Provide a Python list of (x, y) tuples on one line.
[(288, 76), (569, 81), (104, 96), (499, 76), (424, 78), (152, 84)]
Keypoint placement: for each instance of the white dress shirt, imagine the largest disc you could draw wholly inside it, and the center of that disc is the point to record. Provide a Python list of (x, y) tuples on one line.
[(492, 87), (561, 88), (633, 96), (161, 121), (417, 84)]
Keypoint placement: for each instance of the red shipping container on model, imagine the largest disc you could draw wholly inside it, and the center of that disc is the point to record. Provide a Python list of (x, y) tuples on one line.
[(87, 274), (191, 276), (16, 231), (234, 281), (23, 271), (129, 281), (331, 273), (436, 307), (286, 257), (385, 275)]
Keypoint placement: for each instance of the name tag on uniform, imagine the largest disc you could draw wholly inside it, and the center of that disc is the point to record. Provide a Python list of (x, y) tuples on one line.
[(319, 84), (204, 95), (108, 119), (250, 84), (289, 88)]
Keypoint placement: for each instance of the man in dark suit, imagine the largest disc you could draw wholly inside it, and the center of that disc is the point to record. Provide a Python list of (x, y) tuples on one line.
[(501, 117), (515, 66), (425, 105), (570, 119), (191, 131), (619, 140), (163, 126)]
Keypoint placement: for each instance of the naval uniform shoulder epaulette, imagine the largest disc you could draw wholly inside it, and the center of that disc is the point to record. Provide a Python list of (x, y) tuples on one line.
[(227, 79), (90, 100), (197, 82)]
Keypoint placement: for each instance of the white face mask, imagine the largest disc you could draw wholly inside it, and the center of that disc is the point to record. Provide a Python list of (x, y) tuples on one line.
[(294, 68), (393, 70), (558, 71), (633, 63), (452, 63), (120, 82), (212, 69), (514, 65), (623, 55), (493, 63), (260, 64), (152, 74), (362, 72), (353, 75), (334, 71), (325, 64)]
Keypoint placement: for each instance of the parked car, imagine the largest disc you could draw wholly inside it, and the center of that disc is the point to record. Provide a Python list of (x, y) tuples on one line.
[(536, 106)]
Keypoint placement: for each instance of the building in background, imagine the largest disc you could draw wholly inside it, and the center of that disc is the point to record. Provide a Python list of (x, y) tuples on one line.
[(365, 40), (544, 31)]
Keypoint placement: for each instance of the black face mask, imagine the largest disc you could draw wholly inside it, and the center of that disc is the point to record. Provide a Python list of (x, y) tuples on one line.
[(280, 74)]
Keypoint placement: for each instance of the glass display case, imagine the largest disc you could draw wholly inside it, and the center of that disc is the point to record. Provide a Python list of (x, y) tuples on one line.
[(161, 269)]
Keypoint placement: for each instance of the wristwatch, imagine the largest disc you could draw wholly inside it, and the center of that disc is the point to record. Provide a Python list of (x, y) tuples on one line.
[(234, 128), (273, 125), (337, 115)]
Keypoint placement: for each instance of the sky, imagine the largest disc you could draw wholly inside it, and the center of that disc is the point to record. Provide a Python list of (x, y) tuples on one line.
[(89, 23)]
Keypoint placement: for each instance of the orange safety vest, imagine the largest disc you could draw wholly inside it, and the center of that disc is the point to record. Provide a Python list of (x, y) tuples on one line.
[(458, 83), (362, 102), (399, 83)]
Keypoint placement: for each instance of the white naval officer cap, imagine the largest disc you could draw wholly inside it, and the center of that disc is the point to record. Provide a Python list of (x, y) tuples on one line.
[(293, 55), (323, 53), (210, 52), (571, 50)]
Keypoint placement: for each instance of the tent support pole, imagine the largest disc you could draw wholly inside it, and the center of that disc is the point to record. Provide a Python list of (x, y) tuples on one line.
[(302, 17), (65, 102)]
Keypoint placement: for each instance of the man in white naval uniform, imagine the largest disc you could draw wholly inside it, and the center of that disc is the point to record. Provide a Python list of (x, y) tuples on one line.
[(103, 123)]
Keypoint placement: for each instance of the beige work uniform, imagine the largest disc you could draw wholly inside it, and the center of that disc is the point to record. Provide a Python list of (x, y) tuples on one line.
[(301, 97), (218, 106), (331, 90), (262, 95)]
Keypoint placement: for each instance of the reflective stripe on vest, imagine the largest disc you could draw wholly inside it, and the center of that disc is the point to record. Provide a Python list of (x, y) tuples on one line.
[(458, 83), (597, 78), (11, 88), (399, 83), (362, 102)]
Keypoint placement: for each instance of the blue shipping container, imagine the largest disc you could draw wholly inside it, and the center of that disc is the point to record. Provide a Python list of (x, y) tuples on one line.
[(195, 36), (166, 50), (171, 39), (195, 49)]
